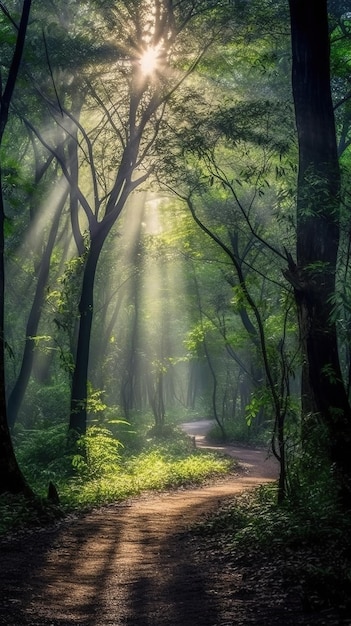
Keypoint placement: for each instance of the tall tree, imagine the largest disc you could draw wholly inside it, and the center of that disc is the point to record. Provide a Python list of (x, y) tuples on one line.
[(11, 478), (318, 230), (146, 85)]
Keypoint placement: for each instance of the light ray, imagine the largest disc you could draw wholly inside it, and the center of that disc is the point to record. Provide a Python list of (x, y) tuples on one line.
[(149, 60)]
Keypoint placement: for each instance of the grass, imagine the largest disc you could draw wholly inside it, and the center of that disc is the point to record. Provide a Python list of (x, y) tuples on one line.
[(107, 472), (152, 470)]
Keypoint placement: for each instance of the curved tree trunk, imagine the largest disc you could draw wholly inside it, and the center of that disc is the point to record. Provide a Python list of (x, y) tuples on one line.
[(11, 478)]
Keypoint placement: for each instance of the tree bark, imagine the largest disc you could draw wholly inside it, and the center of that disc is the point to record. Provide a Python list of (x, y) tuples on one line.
[(11, 477), (79, 391), (313, 275)]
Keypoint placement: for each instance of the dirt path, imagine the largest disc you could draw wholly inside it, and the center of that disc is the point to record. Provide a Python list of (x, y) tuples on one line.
[(124, 564)]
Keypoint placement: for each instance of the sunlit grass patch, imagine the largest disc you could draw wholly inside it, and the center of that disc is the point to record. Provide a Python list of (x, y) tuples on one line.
[(102, 471), (157, 469), (150, 470)]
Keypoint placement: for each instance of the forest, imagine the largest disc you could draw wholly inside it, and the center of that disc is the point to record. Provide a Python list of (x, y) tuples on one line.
[(175, 244)]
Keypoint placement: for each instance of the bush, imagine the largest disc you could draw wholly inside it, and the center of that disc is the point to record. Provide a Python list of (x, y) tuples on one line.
[(42, 453), (45, 404), (100, 453), (240, 432)]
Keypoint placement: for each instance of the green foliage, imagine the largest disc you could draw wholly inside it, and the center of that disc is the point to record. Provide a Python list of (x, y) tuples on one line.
[(42, 454), (95, 403), (15, 512), (341, 49), (239, 518), (7, 33), (311, 477), (329, 372), (253, 408), (247, 121), (46, 405), (260, 399), (171, 465), (238, 300), (100, 453), (163, 465), (310, 536), (104, 471), (132, 435), (63, 302), (197, 336), (238, 430)]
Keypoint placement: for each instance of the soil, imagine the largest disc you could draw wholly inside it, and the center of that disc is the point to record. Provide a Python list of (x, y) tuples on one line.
[(136, 564)]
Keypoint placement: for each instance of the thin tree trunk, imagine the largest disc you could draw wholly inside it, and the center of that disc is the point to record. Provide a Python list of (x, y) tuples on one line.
[(17, 394)]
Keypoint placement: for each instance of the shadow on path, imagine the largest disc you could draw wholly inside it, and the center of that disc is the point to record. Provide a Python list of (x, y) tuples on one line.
[(124, 564)]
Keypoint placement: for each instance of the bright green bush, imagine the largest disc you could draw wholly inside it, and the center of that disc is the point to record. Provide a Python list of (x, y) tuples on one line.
[(100, 453), (161, 466)]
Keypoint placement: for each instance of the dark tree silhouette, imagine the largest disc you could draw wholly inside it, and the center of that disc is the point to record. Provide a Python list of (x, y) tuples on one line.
[(11, 478), (313, 275)]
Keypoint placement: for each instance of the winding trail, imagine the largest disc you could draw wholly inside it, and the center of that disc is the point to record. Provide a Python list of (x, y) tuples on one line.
[(124, 564)]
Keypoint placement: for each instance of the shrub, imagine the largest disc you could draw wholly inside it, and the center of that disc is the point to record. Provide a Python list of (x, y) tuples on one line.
[(100, 453), (42, 453)]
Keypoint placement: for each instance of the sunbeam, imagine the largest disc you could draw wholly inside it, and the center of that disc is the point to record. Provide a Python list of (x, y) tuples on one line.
[(145, 311), (149, 60)]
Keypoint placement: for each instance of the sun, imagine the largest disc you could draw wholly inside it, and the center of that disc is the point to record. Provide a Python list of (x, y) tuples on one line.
[(149, 60)]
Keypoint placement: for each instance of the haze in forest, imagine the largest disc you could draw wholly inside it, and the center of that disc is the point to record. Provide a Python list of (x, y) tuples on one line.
[(175, 226)]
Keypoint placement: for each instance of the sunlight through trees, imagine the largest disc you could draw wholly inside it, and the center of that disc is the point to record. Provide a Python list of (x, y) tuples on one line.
[(176, 231)]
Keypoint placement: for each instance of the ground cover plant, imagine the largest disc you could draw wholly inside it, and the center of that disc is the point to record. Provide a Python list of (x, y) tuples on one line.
[(300, 551), (241, 432), (106, 472)]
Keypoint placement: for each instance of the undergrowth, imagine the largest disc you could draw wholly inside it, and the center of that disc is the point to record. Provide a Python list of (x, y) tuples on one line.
[(308, 541), (239, 432), (101, 471)]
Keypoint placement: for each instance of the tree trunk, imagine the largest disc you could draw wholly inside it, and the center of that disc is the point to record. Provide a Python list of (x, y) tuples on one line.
[(11, 478), (17, 394), (79, 391), (313, 276)]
